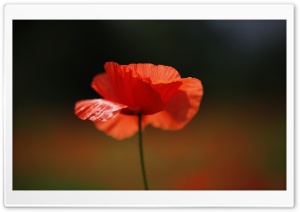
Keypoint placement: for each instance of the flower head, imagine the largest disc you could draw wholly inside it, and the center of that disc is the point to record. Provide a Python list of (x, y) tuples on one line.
[(158, 93)]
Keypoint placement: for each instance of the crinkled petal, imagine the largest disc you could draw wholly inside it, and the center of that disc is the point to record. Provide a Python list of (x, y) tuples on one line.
[(131, 90), (166, 90), (156, 74), (97, 109), (120, 127), (181, 107), (102, 85), (164, 79)]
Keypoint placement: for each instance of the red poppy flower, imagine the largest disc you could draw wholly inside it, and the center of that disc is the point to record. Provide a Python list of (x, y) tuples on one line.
[(158, 93)]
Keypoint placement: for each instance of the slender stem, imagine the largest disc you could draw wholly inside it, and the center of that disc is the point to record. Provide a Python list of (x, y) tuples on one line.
[(141, 151)]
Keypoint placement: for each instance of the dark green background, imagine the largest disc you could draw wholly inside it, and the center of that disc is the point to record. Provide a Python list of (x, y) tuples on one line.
[(236, 141)]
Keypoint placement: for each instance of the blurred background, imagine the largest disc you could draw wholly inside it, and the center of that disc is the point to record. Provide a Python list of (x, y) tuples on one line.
[(237, 140)]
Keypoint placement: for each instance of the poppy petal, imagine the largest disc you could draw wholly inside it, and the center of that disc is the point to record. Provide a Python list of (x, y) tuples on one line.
[(166, 90), (130, 90), (120, 127), (97, 109), (164, 79), (102, 85), (181, 107), (155, 74)]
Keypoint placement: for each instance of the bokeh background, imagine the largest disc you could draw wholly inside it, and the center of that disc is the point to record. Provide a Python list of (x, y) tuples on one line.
[(237, 140)]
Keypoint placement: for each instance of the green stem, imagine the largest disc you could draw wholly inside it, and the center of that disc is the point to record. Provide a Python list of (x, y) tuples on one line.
[(141, 151)]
